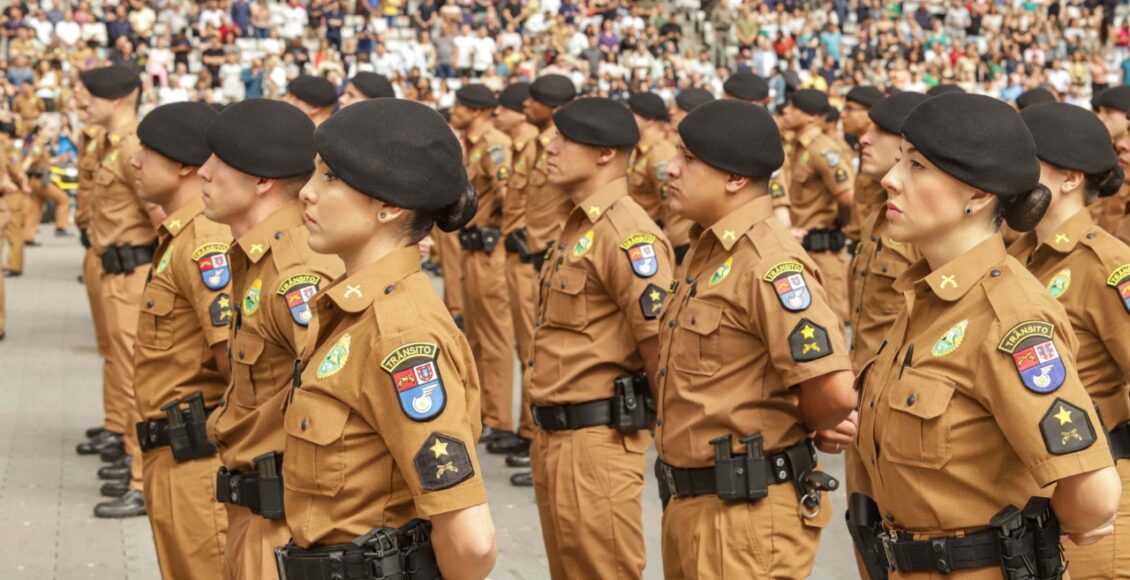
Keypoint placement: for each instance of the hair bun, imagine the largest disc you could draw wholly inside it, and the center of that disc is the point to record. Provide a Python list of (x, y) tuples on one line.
[(1111, 183), (458, 214), (1025, 211)]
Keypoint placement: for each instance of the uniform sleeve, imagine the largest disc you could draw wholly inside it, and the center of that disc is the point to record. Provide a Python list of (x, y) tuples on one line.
[(789, 310), (833, 169), (290, 309), (637, 287), (425, 406), (1110, 314), (659, 159), (1054, 429), (523, 162), (206, 281), (126, 149), (498, 160)]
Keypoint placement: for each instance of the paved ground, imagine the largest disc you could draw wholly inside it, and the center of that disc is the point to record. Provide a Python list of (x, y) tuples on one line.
[(49, 374)]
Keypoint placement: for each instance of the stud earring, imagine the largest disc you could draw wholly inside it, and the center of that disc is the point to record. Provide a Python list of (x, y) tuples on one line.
[(968, 211), (383, 215)]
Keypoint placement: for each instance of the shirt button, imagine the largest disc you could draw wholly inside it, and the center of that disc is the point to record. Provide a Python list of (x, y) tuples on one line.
[(562, 284), (241, 355), (537, 322), (884, 269), (872, 404), (1090, 236), (874, 238), (389, 289), (671, 323), (690, 280), (530, 363), (221, 403), (149, 304), (303, 424), (662, 372), (278, 235), (911, 400), (659, 421), (560, 246), (995, 273)]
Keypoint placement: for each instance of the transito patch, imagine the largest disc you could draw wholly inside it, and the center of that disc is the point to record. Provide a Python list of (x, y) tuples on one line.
[(415, 376), (641, 254), (298, 290), (950, 341), (212, 259), (1120, 281), (336, 358), (1033, 350), (788, 282)]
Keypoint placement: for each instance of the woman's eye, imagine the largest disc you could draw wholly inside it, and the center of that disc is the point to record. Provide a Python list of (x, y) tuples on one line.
[(329, 176)]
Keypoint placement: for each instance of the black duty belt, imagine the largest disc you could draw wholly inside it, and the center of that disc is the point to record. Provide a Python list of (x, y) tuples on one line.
[(784, 467), (260, 491), (382, 554), (537, 259), (576, 416), (516, 243), (124, 258), (941, 555), (822, 240), (1120, 441)]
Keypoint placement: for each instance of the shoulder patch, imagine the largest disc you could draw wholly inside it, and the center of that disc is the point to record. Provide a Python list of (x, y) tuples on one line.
[(661, 171), (503, 173), (776, 190), (442, 462), (252, 298), (583, 245), (809, 341), (831, 158), (1120, 281), (841, 175), (950, 341), (1033, 350), (497, 154), (220, 310), (298, 290), (721, 273), (336, 358), (651, 301), (415, 376), (641, 254), (212, 259), (1060, 283), (164, 263), (788, 281), (1066, 428)]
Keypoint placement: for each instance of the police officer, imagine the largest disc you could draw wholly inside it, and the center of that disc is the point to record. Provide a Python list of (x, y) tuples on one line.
[(521, 278), (261, 156), (7, 188), (366, 85), (19, 205), (451, 257), (856, 121), (820, 189), (746, 86), (686, 101), (314, 96), (487, 156), (676, 227), (1036, 96), (647, 166), (1088, 271), (380, 427), (747, 326), (595, 345), (123, 236), (181, 365), (1113, 108), (972, 405)]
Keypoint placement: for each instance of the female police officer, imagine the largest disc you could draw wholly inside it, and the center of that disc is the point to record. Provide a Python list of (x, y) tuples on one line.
[(381, 427), (972, 403), (1088, 271)]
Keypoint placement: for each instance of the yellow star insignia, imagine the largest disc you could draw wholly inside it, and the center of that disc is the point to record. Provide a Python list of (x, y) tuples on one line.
[(1061, 239), (256, 249), (594, 210), (174, 224), (729, 235), (948, 281), (808, 332), (654, 296), (439, 448), (1063, 415), (224, 302)]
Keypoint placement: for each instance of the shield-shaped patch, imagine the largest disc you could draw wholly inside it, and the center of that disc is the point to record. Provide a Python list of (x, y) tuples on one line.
[(1120, 281), (298, 291), (415, 376), (788, 282), (641, 253), (1034, 353), (212, 258)]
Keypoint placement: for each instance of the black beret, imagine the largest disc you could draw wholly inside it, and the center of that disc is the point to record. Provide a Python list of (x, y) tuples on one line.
[(1070, 137), (810, 101), (263, 138), (476, 97), (944, 89), (314, 90), (177, 131), (395, 150), (1117, 98), (553, 90), (833, 115), (373, 85), (649, 106), (865, 95), (110, 82), (1034, 97), (514, 95), (889, 113), (689, 99), (597, 122), (746, 86), (979, 140), (734, 136)]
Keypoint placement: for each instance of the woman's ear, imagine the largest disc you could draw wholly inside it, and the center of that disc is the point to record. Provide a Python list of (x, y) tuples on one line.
[(388, 213), (1073, 180), (979, 200)]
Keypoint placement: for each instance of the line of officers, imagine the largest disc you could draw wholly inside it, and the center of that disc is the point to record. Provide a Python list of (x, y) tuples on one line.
[(290, 397)]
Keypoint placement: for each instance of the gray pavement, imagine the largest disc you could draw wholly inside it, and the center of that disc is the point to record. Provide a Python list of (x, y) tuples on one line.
[(49, 380)]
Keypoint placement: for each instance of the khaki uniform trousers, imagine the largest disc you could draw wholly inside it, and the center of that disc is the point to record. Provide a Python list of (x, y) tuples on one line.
[(5, 217), (834, 268), (588, 484), (451, 257), (114, 420), (1110, 556), (491, 333), (522, 289), (40, 193), (189, 525), (122, 295), (18, 203), (250, 550), (705, 538)]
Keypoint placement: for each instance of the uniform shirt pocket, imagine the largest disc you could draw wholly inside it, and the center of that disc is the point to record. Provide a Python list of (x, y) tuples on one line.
[(565, 300), (697, 344), (918, 432), (314, 459), (246, 350), (155, 327)]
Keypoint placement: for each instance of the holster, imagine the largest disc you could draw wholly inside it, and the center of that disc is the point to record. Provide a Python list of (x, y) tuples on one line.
[(865, 523), (189, 439), (632, 406), (490, 237), (745, 477), (1018, 551), (1040, 518), (824, 240), (260, 491), (84, 238), (124, 258), (516, 244)]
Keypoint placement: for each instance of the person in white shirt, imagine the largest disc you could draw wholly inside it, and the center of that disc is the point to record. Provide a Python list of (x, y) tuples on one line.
[(67, 30), (384, 62), (211, 15), (231, 78), (483, 52), (294, 20), (464, 50)]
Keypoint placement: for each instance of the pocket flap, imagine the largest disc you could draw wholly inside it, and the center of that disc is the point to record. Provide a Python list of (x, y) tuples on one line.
[(315, 418), (569, 280), (888, 264), (246, 348), (158, 304), (701, 317), (922, 394)]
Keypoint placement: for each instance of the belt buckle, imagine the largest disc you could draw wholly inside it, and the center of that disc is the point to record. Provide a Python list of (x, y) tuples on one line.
[(889, 538), (669, 478)]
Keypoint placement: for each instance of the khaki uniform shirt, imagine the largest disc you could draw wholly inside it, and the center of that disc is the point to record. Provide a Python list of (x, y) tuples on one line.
[(647, 175), (88, 161), (487, 156), (118, 216), (524, 155), (867, 199), (1088, 271), (973, 402), (601, 293), (820, 173), (28, 107), (185, 311), (274, 275), (875, 303), (748, 323), (779, 181), (383, 427), (547, 205)]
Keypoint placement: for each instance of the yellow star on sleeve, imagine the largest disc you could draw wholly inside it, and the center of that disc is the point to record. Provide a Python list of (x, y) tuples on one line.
[(439, 448), (808, 332), (654, 295), (1063, 415), (224, 302)]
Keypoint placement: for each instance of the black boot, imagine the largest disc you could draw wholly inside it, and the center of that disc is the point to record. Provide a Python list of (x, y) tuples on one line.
[(130, 505), (524, 479), (115, 488), (507, 443), (519, 460), (118, 470), (93, 432), (113, 453), (98, 443)]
